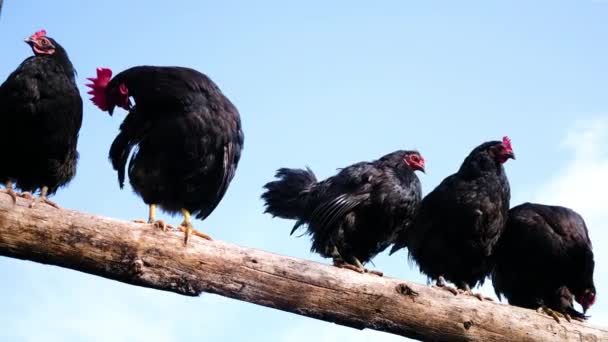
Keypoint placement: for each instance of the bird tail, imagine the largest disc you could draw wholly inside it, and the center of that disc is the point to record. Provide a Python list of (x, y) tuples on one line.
[(287, 196), (400, 242), (119, 153)]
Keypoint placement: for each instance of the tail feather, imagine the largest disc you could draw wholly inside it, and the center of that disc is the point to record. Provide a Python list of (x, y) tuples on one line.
[(286, 197), (298, 224), (397, 245), (132, 130), (119, 153)]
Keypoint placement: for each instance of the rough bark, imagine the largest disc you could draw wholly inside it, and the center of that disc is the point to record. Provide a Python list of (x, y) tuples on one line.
[(141, 255)]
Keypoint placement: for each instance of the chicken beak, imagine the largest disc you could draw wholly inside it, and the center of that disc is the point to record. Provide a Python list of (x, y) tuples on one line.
[(29, 41), (511, 155), (111, 110)]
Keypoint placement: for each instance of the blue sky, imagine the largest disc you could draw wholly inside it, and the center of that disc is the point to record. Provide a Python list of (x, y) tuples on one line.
[(322, 84)]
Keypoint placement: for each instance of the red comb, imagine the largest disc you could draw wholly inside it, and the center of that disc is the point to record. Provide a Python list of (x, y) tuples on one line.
[(98, 87), (39, 34), (507, 142)]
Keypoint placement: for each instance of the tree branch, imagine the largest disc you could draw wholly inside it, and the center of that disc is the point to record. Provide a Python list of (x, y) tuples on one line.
[(141, 255)]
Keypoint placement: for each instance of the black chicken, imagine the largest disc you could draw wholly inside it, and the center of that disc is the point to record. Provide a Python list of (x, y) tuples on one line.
[(459, 222), (188, 135), (355, 214), (41, 111), (544, 259)]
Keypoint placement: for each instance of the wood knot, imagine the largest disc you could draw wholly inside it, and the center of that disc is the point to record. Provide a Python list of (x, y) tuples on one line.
[(138, 266), (405, 290), (467, 324)]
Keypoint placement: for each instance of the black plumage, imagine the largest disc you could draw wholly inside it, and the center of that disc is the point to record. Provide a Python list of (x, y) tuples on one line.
[(41, 111), (459, 222), (186, 136), (545, 259), (355, 214)]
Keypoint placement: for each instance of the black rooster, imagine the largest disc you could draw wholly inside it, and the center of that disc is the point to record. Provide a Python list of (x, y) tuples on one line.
[(41, 111), (355, 214), (188, 135), (544, 259), (459, 222)]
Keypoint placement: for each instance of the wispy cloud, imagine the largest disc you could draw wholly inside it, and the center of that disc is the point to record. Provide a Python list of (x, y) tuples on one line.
[(583, 182)]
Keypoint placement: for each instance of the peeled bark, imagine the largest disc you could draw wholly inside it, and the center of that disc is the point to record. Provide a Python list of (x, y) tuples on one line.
[(139, 254)]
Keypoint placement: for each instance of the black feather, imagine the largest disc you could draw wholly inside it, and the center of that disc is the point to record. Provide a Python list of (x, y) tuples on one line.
[(460, 221), (187, 138), (41, 112), (544, 257), (359, 211)]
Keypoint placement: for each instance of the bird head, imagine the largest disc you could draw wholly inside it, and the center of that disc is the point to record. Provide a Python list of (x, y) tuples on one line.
[(106, 96), (586, 299), (502, 151), (414, 160), (41, 44)]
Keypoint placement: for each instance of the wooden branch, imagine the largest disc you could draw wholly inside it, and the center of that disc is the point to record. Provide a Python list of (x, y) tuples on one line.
[(141, 255)]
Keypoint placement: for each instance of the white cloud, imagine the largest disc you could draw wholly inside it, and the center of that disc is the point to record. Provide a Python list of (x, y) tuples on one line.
[(583, 184)]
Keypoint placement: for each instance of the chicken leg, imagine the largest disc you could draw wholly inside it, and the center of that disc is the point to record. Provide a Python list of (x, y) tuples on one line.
[(186, 227), (42, 198), (466, 289), (353, 265), (554, 314), (9, 191), (160, 224), (442, 284)]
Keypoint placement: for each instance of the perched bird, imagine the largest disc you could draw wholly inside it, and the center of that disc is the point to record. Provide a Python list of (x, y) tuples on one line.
[(41, 111), (188, 137), (355, 214), (459, 222), (544, 259)]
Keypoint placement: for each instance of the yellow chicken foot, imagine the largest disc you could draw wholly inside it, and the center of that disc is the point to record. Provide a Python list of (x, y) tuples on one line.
[(354, 265), (342, 264), (339, 261), (186, 227), (26, 195), (554, 314), (359, 264), (160, 224), (9, 191), (467, 291), (42, 198), (442, 284)]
